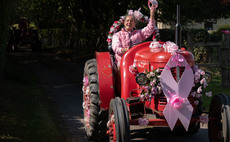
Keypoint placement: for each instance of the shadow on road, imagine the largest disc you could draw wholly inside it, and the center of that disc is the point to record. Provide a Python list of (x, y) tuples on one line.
[(164, 134)]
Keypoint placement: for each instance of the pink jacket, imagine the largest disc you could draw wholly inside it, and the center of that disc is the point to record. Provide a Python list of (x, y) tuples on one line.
[(125, 38)]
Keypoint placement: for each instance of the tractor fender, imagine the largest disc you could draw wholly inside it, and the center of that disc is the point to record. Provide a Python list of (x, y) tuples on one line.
[(105, 78)]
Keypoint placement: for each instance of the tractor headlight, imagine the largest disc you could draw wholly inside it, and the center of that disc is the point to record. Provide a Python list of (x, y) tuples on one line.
[(141, 79)]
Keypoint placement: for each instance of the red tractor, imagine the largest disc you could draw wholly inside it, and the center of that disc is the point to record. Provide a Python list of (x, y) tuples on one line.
[(152, 88)]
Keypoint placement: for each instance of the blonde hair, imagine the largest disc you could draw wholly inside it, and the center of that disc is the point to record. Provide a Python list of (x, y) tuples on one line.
[(134, 18)]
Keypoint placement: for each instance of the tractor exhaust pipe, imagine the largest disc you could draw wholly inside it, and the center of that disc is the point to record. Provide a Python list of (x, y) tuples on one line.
[(178, 29), (178, 39)]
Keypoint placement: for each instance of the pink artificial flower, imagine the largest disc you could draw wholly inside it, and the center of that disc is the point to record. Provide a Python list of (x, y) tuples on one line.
[(154, 91), (176, 101), (152, 74), (155, 45), (87, 91), (199, 90), (138, 14), (202, 72), (159, 88), (83, 105), (196, 102), (153, 82), (170, 47), (143, 121), (203, 81), (144, 90), (130, 12), (195, 68), (146, 19), (86, 81), (196, 77), (198, 95), (133, 69), (205, 84), (122, 19), (109, 40), (142, 97), (193, 94), (204, 119), (209, 94)]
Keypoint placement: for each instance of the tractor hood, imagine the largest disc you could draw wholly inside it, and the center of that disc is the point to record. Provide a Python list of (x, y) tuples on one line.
[(146, 58)]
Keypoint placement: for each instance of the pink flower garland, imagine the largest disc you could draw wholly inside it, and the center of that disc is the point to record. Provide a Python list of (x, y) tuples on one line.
[(199, 85), (153, 87)]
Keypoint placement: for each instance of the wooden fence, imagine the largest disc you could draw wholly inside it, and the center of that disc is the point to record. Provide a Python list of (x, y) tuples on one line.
[(217, 55), (225, 60)]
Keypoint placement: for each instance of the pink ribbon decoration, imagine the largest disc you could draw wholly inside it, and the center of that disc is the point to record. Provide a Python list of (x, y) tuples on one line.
[(177, 59), (178, 105)]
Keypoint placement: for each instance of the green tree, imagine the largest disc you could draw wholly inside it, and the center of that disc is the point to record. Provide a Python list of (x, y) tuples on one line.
[(6, 9), (86, 23)]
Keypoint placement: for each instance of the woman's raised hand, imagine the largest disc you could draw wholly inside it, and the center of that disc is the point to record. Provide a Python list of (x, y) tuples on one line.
[(152, 12)]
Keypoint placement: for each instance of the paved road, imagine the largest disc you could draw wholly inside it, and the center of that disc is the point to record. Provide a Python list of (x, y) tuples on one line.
[(64, 91)]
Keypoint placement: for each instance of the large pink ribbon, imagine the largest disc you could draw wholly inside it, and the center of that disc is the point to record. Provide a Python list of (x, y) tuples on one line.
[(178, 105)]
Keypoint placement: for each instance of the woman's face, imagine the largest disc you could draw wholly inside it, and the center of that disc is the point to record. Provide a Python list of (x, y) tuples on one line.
[(129, 23)]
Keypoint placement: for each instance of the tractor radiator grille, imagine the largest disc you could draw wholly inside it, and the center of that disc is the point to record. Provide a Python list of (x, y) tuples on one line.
[(173, 71)]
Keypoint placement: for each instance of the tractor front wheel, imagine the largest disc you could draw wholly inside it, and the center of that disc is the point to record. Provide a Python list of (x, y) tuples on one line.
[(95, 119), (118, 124)]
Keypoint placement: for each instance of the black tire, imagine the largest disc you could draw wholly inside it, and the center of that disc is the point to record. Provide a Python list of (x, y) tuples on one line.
[(219, 119), (118, 108), (96, 128)]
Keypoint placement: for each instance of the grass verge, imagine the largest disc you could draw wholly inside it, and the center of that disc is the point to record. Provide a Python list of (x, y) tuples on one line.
[(25, 115), (216, 88)]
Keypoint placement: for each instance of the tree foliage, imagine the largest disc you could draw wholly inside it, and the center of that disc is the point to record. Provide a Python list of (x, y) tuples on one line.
[(6, 9), (88, 22)]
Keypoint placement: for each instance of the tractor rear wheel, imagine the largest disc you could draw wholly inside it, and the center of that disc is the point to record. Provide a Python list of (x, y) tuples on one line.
[(95, 119), (219, 119), (118, 124)]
